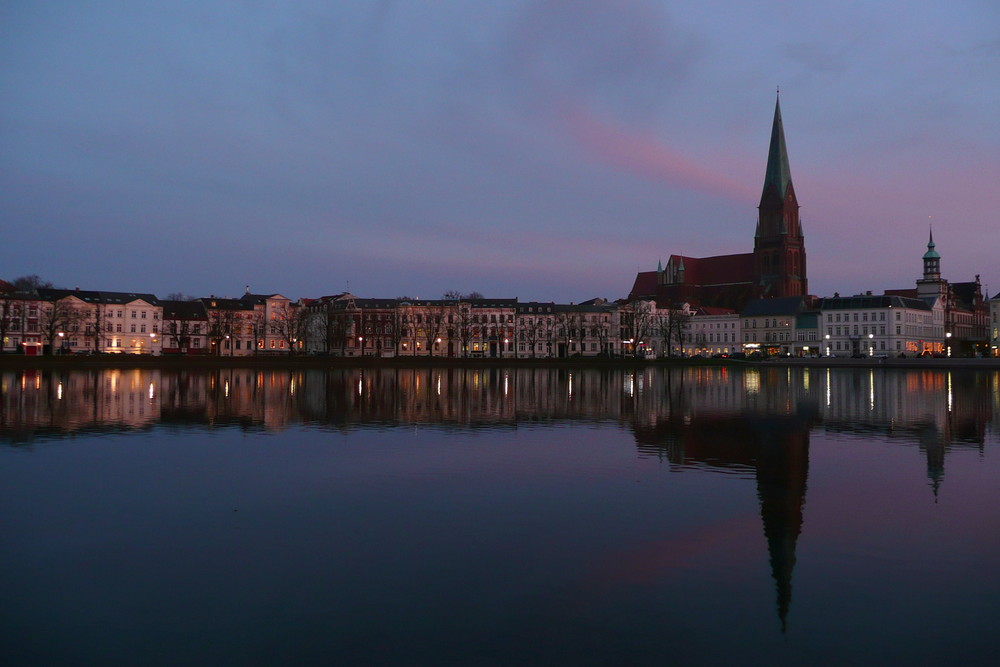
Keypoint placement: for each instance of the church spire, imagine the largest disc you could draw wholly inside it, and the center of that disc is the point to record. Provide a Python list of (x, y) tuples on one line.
[(778, 174), (932, 260), (779, 249)]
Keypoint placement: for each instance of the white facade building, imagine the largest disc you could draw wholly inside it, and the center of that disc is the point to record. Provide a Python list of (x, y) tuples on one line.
[(867, 325), (712, 332)]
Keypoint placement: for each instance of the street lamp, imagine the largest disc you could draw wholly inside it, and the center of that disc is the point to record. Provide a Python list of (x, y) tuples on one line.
[(871, 345), (361, 344), (60, 334), (828, 345), (152, 341), (948, 342)]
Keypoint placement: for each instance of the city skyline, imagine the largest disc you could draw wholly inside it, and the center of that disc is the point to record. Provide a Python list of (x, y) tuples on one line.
[(544, 150)]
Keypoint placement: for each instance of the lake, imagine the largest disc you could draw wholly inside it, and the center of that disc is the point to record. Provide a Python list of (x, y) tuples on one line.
[(492, 516)]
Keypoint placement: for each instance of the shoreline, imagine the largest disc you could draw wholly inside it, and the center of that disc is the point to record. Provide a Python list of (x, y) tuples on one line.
[(19, 362)]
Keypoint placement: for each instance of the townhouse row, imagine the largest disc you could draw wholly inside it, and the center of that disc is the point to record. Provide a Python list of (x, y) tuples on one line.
[(57, 321), (53, 321)]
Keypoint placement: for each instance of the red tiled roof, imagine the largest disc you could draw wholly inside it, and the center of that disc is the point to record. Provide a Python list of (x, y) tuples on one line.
[(645, 284), (718, 270)]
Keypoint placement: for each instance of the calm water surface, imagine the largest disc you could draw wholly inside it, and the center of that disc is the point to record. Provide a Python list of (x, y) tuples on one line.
[(491, 516)]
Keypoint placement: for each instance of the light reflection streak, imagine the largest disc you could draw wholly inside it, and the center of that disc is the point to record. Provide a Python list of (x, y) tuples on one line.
[(871, 390), (827, 387)]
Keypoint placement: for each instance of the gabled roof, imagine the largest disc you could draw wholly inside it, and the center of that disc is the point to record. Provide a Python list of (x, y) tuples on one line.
[(91, 296), (645, 284), (717, 270), (967, 294), (260, 299), (218, 303), (184, 310)]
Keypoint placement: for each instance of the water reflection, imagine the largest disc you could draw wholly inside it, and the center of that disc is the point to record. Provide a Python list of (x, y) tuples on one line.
[(752, 423), (933, 409)]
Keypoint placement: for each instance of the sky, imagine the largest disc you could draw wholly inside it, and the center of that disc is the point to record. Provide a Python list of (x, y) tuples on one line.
[(540, 149)]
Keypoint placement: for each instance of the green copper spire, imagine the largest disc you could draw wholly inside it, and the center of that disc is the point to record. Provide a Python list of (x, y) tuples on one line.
[(931, 252), (778, 173)]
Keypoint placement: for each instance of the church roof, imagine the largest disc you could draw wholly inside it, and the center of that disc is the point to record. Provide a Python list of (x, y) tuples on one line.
[(718, 270)]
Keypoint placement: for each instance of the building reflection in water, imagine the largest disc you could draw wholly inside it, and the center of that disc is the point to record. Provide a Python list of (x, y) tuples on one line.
[(754, 420)]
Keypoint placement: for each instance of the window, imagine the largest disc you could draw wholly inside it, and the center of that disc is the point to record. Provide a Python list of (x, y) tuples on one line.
[(142, 329), (133, 314), (133, 329), (144, 314)]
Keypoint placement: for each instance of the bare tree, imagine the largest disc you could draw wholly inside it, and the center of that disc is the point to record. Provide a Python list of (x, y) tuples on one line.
[(463, 327), (434, 321), (56, 317), (94, 325), (29, 284), (563, 331), (258, 330), (527, 331), (456, 295), (636, 320), (672, 325), (601, 330), (179, 296), (398, 328), (8, 318), (220, 328), (292, 325)]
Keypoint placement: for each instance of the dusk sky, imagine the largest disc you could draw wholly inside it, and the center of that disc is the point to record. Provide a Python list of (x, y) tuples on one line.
[(544, 149)]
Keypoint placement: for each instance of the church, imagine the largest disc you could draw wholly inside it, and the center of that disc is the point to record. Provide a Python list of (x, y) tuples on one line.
[(775, 268)]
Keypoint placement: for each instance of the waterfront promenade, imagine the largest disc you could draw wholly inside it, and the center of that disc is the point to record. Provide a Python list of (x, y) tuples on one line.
[(14, 362)]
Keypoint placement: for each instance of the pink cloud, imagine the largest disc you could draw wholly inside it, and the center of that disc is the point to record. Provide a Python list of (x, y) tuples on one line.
[(644, 155)]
